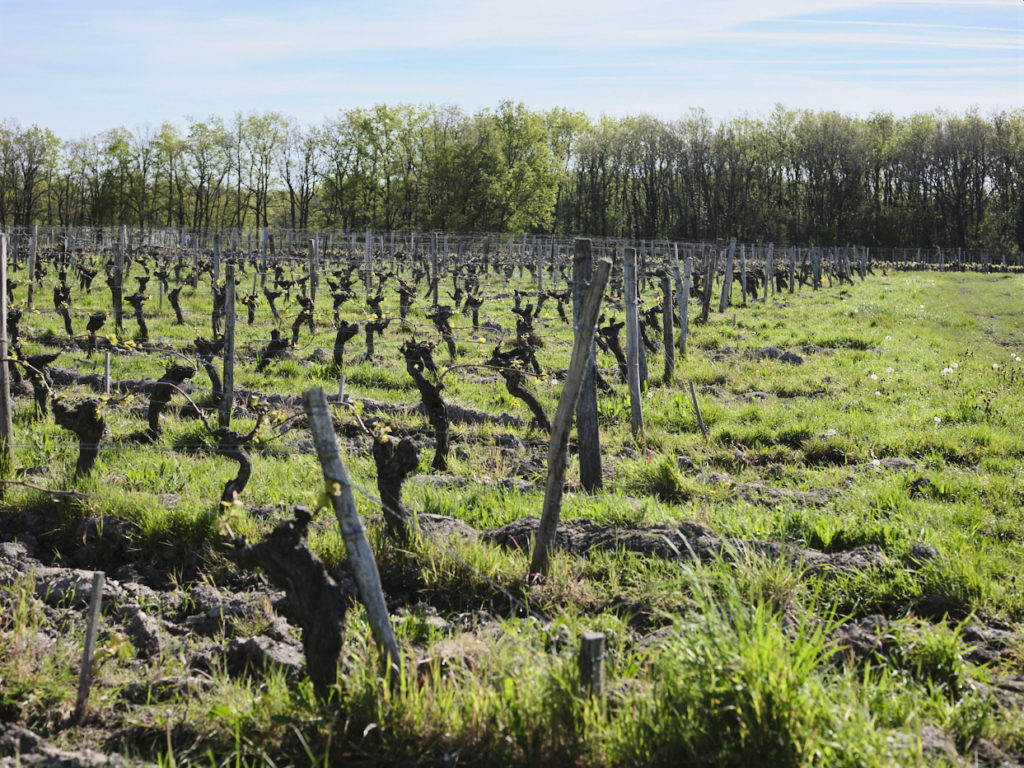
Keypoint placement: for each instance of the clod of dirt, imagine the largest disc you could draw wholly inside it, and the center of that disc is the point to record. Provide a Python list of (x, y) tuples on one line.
[(754, 492), (102, 540), (255, 654), (21, 748), (774, 353), (684, 541), (814, 349), (920, 554), (143, 629), (73, 588)]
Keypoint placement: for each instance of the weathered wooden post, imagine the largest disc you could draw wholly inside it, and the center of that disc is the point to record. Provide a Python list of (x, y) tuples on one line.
[(435, 277), (539, 252), (723, 302), (558, 448), (743, 270), (106, 373), (668, 332), (588, 435), (696, 410), (683, 299), (216, 257), (367, 264), (591, 663), (6, 422), (314, 266), (32, 267), (227, 399), (85, 673), (339, 490), (118, 282), (710, 268), (769, 273), (632, 342)]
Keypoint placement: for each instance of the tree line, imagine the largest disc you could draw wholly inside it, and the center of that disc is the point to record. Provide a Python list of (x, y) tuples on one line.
[(793, 176)]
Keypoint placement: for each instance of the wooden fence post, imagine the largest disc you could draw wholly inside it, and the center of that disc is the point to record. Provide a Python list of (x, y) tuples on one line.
[(696, 410), (683, 300), (339, 489), (539, 253), (367, 265), (6, 423), (632, 343), (591, 663), (743, 270), (723, 302), (117, 286), (227, 398), (559, 445), (32, 267), (85, 673), (710, 269), (435, 277), (314, 265), (216, 257), (588, 435), (668, 332)]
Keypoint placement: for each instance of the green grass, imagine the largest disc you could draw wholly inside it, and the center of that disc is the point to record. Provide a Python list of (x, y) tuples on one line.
[(731, 661)]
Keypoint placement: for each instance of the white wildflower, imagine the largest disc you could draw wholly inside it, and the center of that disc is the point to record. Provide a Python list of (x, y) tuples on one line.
[(874, 377), (954, 366), (946, 371), (890, 369), (938, 420)]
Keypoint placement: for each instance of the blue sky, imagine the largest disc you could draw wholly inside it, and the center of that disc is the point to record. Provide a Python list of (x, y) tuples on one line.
[(82, 66)]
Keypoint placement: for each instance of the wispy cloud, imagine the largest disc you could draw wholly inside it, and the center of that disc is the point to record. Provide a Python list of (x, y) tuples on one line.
[(103, 62)]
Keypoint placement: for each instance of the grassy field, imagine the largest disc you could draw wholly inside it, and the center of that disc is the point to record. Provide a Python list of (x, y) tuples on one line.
[(832, 578)]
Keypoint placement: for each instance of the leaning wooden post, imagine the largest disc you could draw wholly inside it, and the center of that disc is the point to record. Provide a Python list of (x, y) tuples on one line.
[(117, 286), (216, 258), (435, 277), (339, 490), (540, 268), (711, 267), (632, 342), (314, 265), (367, 264), (588, 435), (723, 302), (591, 663), (85, 674), (743, 270), (683, 300), (668, 332), (6, 422), (696, 410), (32, 267), (227, 398), (558, 448), (263, 256)]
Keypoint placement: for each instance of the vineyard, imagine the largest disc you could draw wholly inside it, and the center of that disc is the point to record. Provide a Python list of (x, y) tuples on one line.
[(598, 502)]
